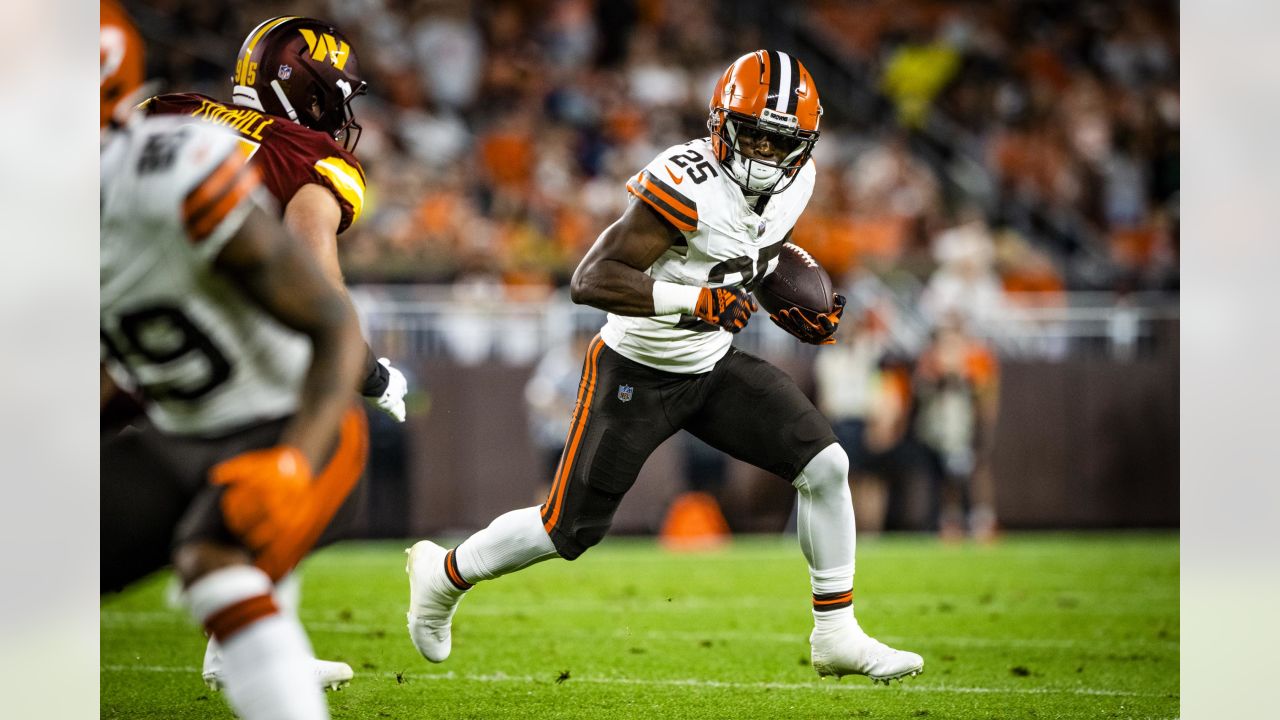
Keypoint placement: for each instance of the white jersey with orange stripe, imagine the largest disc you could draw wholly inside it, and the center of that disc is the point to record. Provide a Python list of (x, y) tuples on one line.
[(724, 241), (206, 358)]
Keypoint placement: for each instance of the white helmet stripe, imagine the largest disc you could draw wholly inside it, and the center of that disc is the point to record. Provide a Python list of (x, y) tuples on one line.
[(784, 81)]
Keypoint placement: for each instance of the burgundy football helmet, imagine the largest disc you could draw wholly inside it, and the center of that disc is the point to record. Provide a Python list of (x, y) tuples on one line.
[(304, 70)]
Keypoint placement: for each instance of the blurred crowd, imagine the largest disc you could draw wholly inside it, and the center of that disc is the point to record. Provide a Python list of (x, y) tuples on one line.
[(983, 149)]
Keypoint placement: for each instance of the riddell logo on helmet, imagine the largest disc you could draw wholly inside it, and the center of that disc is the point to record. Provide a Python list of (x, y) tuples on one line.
[(326, 45), (783, 120)]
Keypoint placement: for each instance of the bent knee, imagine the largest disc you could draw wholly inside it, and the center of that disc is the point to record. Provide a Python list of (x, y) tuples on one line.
[(572, 543), (828, 469)]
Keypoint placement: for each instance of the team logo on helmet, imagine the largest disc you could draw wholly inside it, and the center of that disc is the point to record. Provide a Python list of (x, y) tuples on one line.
[(323, 45)]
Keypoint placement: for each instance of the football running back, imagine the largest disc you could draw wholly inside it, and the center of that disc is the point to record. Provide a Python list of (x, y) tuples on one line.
[(675, 272)]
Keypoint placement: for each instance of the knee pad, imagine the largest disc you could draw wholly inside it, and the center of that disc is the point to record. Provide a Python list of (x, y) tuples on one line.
[(829, 469), (572, 542), (586, 525)]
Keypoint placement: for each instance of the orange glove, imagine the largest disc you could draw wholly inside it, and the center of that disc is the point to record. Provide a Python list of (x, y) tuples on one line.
[(266, 493), (729, 307), (821, 330)]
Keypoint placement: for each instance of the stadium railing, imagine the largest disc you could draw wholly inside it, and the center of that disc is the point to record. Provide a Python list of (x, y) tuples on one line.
[(473, 324)]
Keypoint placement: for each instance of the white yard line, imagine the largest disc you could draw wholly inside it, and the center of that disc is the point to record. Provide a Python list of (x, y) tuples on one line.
[(910, 686), (124, 619), (909, 602)]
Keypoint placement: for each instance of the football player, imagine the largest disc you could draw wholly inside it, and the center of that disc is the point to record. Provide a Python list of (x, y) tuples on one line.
[(291, 95), (706, 223), (294, 81), (120, 60), (249, 360)]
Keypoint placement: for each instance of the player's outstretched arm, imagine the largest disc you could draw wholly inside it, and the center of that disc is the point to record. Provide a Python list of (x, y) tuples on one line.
[(281, 276)]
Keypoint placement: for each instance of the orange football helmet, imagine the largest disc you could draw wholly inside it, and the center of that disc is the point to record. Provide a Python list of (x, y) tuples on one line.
[(769, 92), (304, 70), (120, 62)]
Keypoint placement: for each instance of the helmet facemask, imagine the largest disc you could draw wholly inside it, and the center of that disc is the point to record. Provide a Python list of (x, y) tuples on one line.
[(757, 176), (330, 114)]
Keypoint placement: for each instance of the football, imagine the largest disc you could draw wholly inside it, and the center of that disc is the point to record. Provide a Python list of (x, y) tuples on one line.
[(799, 282)]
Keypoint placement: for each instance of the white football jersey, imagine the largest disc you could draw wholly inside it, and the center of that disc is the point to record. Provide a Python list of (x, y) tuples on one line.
[(725, 242), (206, 357)]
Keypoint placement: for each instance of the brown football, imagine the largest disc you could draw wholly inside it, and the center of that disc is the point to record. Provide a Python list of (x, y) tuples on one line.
[(799, 282)]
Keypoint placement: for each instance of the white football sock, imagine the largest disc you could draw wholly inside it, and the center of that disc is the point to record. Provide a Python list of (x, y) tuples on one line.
[(265, 654), (825, 526), (288, 597), (512, 542), (289, 593)]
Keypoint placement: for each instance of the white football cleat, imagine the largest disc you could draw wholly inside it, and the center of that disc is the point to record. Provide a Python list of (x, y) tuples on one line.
[(329, 673), (432, 601), (848, 650)]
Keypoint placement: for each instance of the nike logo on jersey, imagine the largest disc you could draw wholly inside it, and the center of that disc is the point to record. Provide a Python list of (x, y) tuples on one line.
[(674, 179)]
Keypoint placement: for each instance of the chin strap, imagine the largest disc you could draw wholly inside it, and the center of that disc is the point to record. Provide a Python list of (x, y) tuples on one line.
[(284, 100)]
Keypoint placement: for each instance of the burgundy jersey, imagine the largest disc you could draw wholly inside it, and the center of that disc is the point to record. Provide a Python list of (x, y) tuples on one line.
[(287, 154)]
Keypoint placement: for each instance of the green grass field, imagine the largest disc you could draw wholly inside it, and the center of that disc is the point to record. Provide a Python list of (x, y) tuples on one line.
[(1038, 626)]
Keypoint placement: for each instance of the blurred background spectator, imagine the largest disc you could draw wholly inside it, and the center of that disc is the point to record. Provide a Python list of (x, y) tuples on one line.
[(850, 390), (957, 386), (550, 396)]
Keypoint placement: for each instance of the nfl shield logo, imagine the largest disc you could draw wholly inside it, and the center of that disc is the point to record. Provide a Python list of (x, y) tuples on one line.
[(624, 393), (760, 228), (284, 72)]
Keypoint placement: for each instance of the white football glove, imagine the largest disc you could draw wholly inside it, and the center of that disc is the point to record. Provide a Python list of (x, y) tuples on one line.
[(392, 400)]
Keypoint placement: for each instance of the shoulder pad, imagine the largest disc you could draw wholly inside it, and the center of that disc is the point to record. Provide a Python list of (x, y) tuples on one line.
[(660, 183)]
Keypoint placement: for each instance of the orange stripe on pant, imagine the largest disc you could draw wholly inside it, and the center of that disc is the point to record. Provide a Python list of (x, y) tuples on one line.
[(586, 391), (573, 426), (328, 491)]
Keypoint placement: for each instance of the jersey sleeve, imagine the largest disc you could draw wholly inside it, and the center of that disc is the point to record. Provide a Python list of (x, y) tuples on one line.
[(218, 194), (293, 156), (345, 179), (657, 185), (171, 104)]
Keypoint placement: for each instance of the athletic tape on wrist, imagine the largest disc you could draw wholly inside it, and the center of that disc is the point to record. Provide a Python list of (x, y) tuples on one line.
[(672, 298)]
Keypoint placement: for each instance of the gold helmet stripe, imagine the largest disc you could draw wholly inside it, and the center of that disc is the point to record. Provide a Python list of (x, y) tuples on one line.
[(243, 76)]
